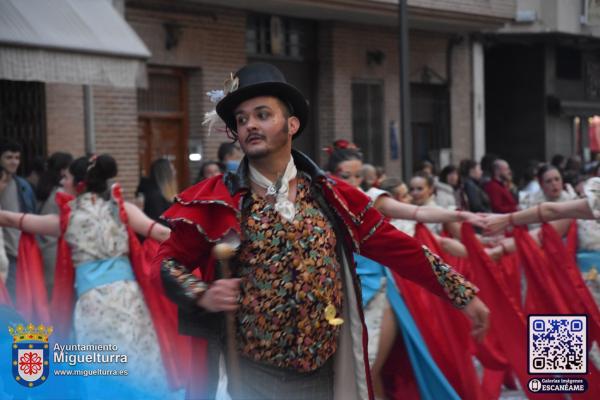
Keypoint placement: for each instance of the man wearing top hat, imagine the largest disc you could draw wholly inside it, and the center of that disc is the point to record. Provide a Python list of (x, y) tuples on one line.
[(299, 331)]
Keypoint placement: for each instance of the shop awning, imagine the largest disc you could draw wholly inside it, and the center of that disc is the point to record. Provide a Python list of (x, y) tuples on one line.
[(70, 41)]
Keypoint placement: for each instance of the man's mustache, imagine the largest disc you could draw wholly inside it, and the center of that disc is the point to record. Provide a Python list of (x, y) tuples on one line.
[(253, 136)]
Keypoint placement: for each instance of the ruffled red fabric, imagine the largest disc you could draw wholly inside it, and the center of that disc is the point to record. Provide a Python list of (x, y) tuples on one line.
[(175, 348), (568, 278), (63, 293), (397, 374), (505, 313), (443, 327), (543, 295), (564, 271), (214, 196), (31, 295)]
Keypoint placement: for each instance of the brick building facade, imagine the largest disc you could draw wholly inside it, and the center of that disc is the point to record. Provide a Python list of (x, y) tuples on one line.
[(351, 49)]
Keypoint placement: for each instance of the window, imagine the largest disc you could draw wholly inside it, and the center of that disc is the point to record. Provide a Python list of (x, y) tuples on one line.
[(367, 120), (23, 118), (278, 37)]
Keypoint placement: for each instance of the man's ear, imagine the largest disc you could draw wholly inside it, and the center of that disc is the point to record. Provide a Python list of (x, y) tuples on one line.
[(293, 125)]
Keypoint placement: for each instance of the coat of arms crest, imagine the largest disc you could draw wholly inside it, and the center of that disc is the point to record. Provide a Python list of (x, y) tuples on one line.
[(30, 354)]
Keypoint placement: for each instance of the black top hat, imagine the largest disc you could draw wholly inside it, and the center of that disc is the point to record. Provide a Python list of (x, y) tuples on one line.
[(260, 79)]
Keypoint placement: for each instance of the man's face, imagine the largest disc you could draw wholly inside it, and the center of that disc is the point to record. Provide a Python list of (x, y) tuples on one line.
[(10, 161), (504, 171), (263, 128)]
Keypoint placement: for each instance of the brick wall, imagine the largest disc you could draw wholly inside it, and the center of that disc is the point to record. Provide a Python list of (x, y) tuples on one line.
[(115, 121), (350, 64), (64, 119), (461, 120), (426, 49)]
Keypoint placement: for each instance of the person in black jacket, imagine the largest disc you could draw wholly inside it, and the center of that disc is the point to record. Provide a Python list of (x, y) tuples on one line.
[(478, 200), (158, 189)]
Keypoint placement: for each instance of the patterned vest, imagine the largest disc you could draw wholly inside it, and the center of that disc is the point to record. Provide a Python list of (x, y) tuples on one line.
[(290, 275)]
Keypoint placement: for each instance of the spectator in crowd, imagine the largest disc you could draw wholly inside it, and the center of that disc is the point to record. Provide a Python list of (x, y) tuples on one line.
[(477, 198), (487, 162), (381, 176), (574, 164), (397, 189), (530, 183), (425, 167), (230, 156), (559, 161), (48, 185), (208, 169), (369, 173), (36, 170), (448, 190), (18, 196), (159, 188), (498, 188)]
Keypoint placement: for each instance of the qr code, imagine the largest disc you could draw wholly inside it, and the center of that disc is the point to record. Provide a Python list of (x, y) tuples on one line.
[(557, 344)]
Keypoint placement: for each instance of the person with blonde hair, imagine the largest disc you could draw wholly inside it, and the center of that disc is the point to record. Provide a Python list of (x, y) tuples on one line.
[(159, 188)]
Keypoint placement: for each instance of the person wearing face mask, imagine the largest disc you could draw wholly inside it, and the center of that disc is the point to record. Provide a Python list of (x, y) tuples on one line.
[(230, 156)]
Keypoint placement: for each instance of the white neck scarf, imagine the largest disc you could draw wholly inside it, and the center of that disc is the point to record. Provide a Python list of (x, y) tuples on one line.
[(283, 205)]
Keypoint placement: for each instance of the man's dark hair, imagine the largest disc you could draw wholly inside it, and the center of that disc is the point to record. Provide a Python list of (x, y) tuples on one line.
[(226, 149), (487, 163), (447, 170), (51, 177), (558, 161), (466, 166), (9, 145)]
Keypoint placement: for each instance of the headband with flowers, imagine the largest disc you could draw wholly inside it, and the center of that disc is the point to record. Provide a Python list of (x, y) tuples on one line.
[(340, 144)]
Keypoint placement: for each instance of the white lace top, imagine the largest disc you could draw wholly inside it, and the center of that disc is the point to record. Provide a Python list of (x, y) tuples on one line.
[(588, 231), (95, 231), (592, 193)]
